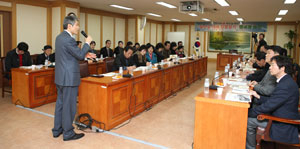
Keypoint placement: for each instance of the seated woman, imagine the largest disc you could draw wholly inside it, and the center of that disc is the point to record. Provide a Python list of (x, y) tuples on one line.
[(139, 57), (180, 52), (173, 48), (124, 60), (92, 45), (151, 56), (159, 52)]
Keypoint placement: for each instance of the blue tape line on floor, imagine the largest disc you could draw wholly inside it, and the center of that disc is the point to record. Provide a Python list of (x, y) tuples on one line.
[(107, 132)]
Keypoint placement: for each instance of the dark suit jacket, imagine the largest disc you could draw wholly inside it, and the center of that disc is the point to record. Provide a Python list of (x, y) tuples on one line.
[(103, 52), (40, 60), (259, 74), (118, 50), (282, 103), (12, 60), (120, 61), (68, 55)]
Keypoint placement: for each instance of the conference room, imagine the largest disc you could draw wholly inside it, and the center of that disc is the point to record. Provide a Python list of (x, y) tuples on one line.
[(204, 74)]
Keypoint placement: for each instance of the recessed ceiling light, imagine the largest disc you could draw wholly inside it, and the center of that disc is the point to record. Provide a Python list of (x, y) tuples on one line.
[(282, 12), (166, 4), (223, 3), (240, 19), (121, 7), (289, 1), (234, 13), (192, 14), (205, 19), (153, 14), (278, 19), (175, 20)]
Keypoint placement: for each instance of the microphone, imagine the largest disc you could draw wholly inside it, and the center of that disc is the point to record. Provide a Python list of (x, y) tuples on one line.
[(214, 87), (84, 34)]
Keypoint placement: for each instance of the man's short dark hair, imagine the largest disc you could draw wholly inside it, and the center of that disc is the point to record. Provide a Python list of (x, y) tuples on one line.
[(262, 35), (107, 41), (159, 45), (120, 42), (93, 42), (23, 46), (180, 47), (283, 61), (71, 19), (143, 47), (129, 43), (167, 42), (78, 42), (276, 49), (179, 42), (128, 48), (47, 47), (260, 55)]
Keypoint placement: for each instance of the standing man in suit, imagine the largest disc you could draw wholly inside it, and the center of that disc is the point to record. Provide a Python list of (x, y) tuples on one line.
[(282, 103), (67, 77), (46, 55), (106, 51)]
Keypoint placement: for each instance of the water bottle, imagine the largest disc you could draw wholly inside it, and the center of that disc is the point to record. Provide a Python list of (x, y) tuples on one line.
[(101, 57), (115, 55), (46, 63), (121, 70), (216, 80), (206, 86)]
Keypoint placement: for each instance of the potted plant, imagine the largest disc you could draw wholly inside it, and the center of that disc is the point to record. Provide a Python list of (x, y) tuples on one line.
[(290, 45)]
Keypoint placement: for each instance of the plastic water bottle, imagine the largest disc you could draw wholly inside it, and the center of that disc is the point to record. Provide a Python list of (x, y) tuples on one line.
[(206, 86), (121, 70), (216, 80), (46, 63), (101, 57)]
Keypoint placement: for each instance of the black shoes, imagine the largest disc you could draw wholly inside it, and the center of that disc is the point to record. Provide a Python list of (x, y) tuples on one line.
[(75, 137), (56, 136)]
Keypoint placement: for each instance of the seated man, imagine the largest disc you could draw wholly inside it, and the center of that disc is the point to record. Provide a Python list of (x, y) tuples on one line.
[(106, 51), (124, 60), (283, 103), (268, 83), (258, 75), (47, 55), (17, 57), (92, 49)]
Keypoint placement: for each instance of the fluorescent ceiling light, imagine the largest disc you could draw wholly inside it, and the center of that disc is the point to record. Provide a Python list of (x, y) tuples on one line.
[(153, 14), (166, 4), (192, 14), (223, 3), (121, 7), (282, 12), (289, 1), (240, 19), (234, 13), (278, 19), (175, 20), (205, 19)]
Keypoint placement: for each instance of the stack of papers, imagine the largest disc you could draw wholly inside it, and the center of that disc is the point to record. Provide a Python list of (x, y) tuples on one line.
[(238, 97), (240, 89), (110, 74)]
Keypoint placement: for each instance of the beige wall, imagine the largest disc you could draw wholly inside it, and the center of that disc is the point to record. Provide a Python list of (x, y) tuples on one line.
[(108, 30), (141, 32), (120, 31), (32, 26), (147, 33), (93, 28), (131, 30), (56, 24), (82, 26), (185, 28), (6, 4)]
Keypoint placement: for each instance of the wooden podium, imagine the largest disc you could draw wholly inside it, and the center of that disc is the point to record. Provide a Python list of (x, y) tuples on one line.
[(219, 124), (224, 59)]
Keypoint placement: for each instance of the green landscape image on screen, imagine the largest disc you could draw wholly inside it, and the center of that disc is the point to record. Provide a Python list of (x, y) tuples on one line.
[(240, 41)]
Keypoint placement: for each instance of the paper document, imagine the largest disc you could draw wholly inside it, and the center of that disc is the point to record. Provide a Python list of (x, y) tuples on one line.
[(238, 97)]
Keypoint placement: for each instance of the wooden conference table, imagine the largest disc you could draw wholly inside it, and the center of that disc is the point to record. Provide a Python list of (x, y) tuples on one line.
[(115, 101), (220, 124), (224, 59), (32, 88)]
